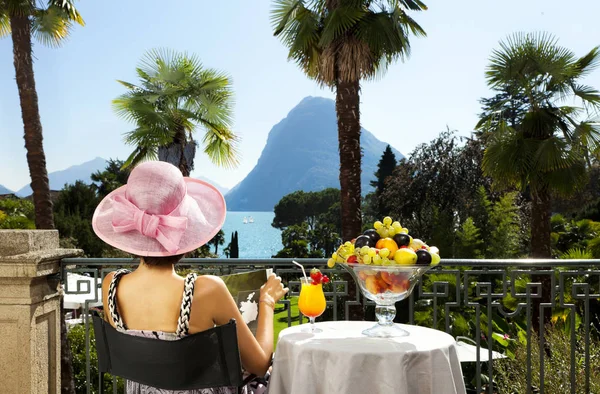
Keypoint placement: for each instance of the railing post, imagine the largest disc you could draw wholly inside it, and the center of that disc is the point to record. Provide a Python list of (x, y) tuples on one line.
[(30, 311)]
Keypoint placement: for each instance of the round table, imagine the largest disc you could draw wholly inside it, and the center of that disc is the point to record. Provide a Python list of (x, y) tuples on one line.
[(342, 360)]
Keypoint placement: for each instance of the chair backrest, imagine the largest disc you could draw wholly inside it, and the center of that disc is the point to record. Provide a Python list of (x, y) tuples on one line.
[(203, 360)]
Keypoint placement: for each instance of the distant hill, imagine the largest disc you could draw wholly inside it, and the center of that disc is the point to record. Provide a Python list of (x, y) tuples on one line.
[(220, 188), (81, 172), (5, 190), (302, 154)]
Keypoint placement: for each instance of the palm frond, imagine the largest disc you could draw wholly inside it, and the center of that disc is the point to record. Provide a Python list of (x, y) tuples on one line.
[(552, 154), (350, 40), (339, 22), (529, 61), (413, 5), (128, 85), (175, 95), (68, 8), (136, 107), (577, 254), (567, 180), (508, 158), (587, 94), (221, 145), (19, 8), (281, 14), (51, 26), (589, 62), (587, 136), (149, 136), (140, 154), (4, 24)]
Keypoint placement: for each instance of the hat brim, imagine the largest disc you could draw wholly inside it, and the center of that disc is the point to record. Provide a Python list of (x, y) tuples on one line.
[(203, 205)]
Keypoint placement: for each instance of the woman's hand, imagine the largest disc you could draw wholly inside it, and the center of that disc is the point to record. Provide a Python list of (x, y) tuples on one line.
[(273, 290)]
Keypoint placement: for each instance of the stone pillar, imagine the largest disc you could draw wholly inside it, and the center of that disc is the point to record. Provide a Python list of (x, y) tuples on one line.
[(30, 311)]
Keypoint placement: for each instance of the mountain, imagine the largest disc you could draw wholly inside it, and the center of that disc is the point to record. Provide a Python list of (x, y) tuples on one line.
[(4, 190), (79, 172), (220, 188), (302, 154), (82, 172)]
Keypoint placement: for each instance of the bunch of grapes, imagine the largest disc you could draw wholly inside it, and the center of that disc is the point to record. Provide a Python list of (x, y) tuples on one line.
[(368, 255), (387, 228), (344, 254)]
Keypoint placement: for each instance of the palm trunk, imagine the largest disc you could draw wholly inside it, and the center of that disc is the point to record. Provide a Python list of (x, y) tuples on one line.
[(541, 205), (180, 153), (541, 246), (36, 159), (348, 117)]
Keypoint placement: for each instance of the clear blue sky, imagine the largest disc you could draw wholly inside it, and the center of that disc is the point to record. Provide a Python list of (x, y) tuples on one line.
[(439, 85)]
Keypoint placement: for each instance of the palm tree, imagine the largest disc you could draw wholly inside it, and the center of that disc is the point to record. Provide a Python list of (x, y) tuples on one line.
[(338, 44), (546, 151), (218, 239), (176, 96), (50, 24)]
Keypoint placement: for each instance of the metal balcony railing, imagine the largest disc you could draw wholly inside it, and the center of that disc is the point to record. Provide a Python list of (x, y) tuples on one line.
[(504, 306)]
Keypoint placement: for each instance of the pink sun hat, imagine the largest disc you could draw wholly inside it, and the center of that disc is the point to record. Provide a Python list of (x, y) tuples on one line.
[(159, 212)]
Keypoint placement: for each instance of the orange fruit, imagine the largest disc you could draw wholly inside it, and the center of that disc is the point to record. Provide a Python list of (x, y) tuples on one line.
[(388, 243)]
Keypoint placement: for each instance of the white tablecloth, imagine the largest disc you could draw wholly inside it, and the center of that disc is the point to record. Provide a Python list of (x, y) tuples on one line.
[(342, 360)]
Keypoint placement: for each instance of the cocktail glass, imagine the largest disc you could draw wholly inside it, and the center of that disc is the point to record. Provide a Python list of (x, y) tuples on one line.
[(311, 302)]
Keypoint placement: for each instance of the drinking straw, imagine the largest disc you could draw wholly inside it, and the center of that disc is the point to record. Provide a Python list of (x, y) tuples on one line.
[(300, 265)]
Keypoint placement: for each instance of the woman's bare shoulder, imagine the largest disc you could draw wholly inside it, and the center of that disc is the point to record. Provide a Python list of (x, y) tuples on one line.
[(210, 290), (107, 279), (210, 283)]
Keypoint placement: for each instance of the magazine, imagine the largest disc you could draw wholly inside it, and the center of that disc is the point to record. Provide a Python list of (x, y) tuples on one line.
[(245, 289)]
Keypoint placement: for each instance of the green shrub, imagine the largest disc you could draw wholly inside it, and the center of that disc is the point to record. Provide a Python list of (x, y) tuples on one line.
[(511, 375), (77, 341)]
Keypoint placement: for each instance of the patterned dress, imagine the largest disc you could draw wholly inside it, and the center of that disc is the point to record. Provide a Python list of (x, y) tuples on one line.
[(182, 331)]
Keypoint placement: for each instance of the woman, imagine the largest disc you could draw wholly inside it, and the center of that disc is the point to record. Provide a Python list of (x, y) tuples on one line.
[(160, 215)]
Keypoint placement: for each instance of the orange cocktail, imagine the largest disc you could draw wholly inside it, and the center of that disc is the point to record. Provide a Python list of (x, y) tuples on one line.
[(311, 301)]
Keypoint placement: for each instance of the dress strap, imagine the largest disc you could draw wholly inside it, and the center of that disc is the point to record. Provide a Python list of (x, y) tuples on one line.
[(112, 299), (183, 324)]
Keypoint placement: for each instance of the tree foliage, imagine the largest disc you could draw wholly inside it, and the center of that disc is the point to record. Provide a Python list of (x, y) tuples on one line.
[(385, 168), (340, 44), (469, 240), (232, 250), (434, 188), (569, 235), (542, 144), (309, 207), (73, 211), (16, 213), (217, 240), (310, 223), (332, 41), (111, 178), (175, 97)]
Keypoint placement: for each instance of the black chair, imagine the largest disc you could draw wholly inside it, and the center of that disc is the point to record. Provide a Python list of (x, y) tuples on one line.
[(206, 359)]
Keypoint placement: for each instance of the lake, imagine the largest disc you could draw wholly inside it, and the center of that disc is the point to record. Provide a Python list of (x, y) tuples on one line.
[(258, 240)]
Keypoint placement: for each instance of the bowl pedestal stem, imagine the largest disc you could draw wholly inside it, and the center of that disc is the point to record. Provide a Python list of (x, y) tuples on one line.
[(385, 326)]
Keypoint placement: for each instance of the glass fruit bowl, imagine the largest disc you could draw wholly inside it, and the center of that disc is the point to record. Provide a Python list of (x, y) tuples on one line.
[(385, 285)]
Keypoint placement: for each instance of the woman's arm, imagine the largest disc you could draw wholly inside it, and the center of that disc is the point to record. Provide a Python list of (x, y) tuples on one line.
[(255, 352)]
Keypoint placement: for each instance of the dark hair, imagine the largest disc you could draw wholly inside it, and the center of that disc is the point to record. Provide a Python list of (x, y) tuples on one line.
[(165, 260)]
